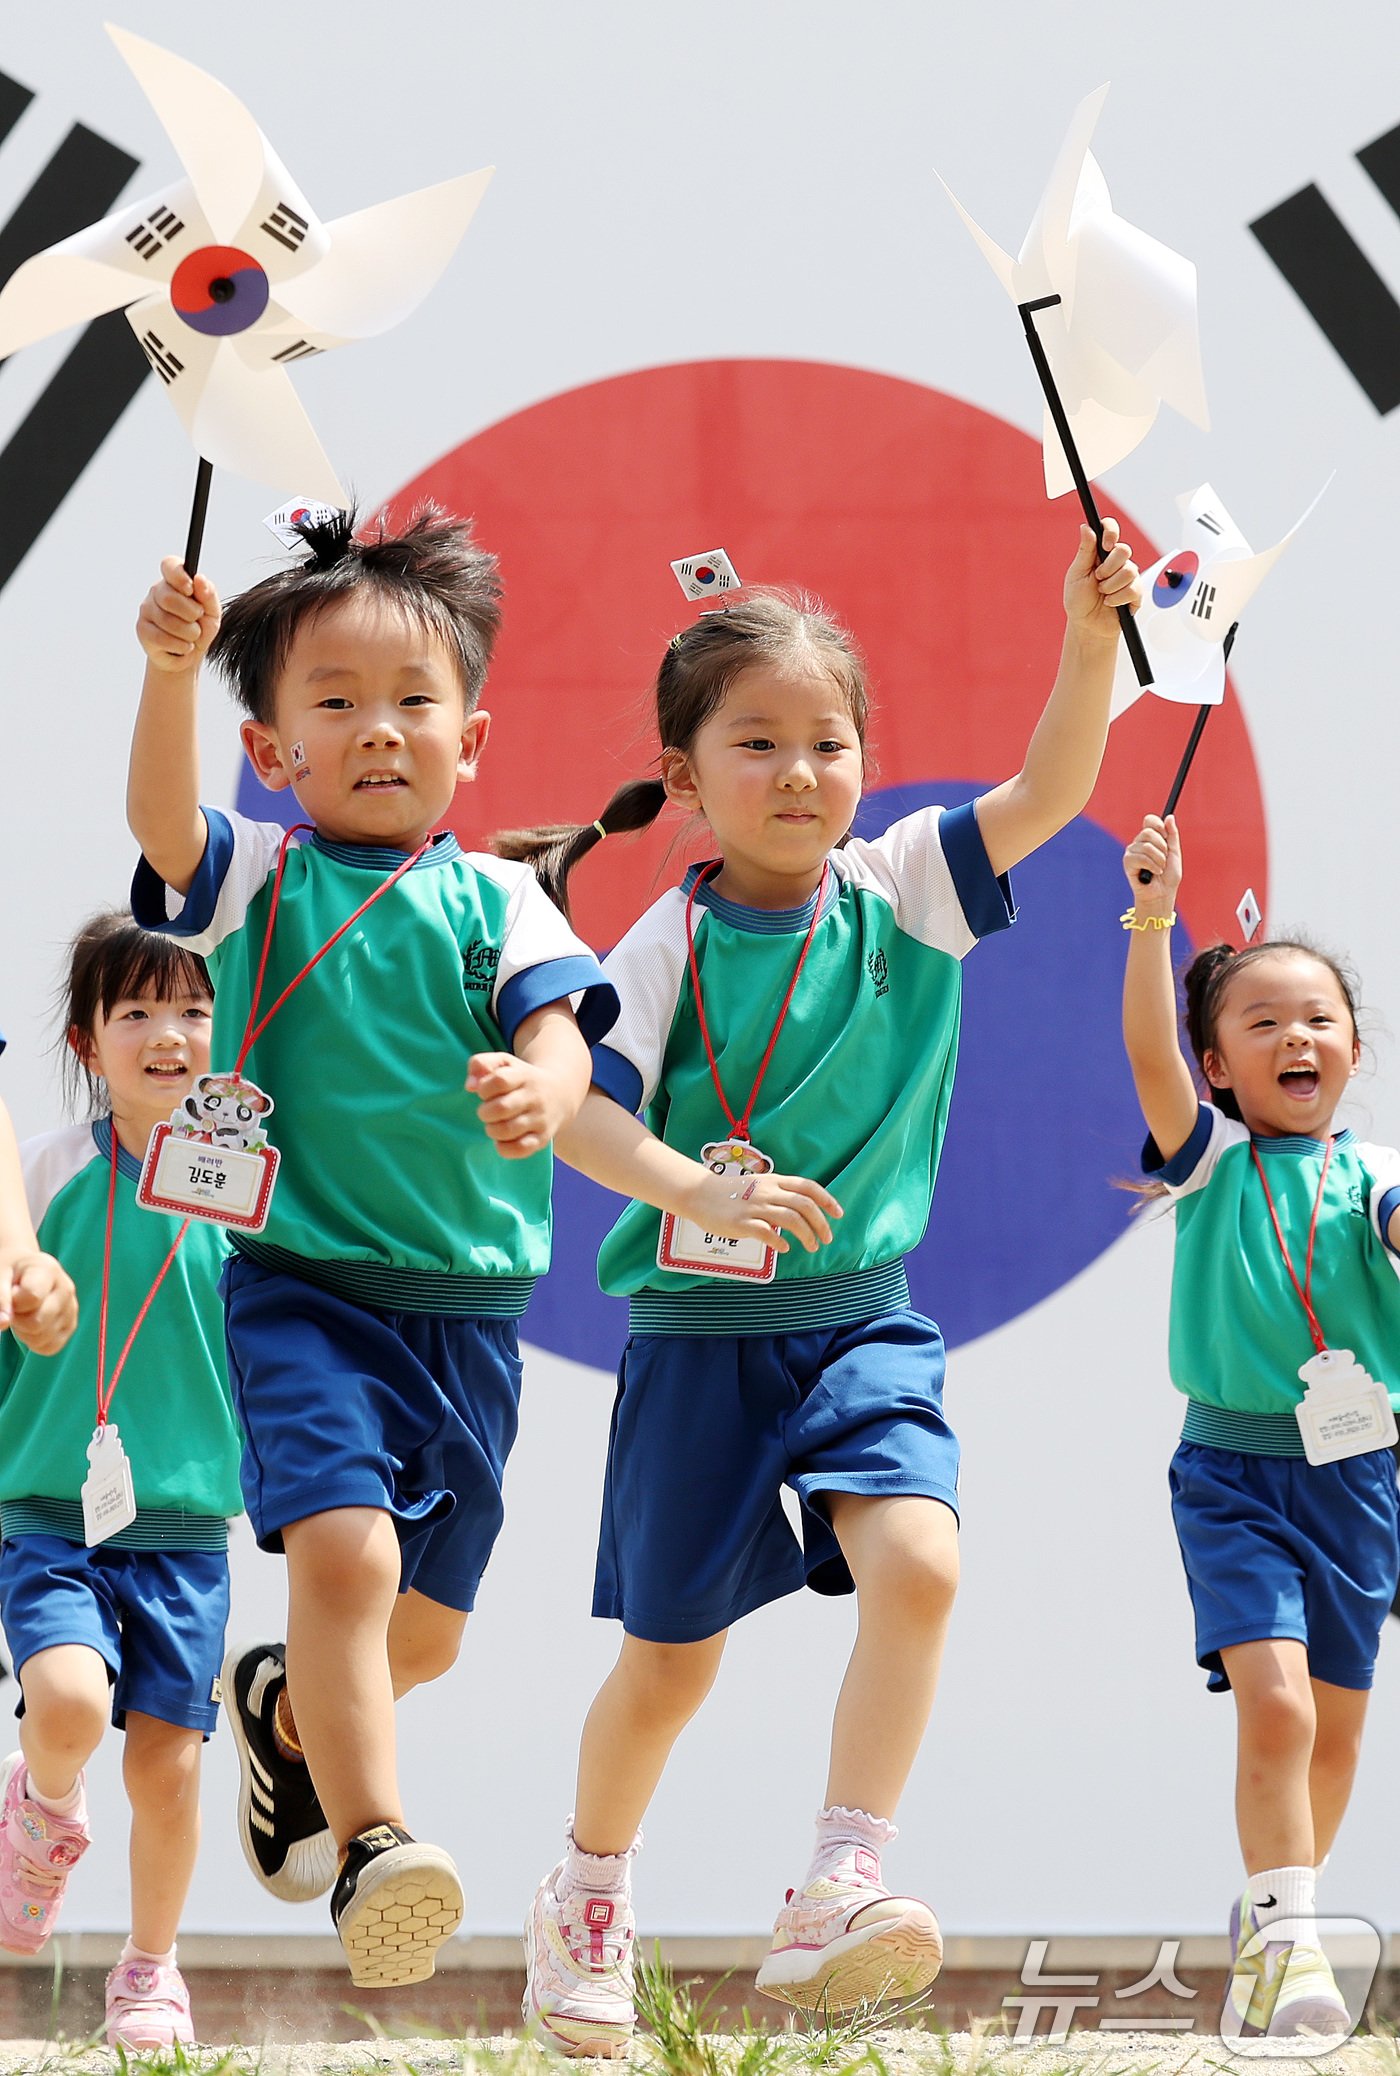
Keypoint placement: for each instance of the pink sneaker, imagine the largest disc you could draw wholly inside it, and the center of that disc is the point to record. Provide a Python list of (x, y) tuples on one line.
[(37, 1854), (578, 1971), (147, 2006), (846, 1940)]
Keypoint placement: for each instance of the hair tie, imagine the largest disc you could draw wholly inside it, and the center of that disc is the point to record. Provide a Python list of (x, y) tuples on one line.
[(602, 832), (676, 639)]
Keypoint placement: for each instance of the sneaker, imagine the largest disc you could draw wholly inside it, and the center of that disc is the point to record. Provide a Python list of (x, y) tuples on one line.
[(281, 1825), (1247, 1975), (393, 1904), (38, 1852), (1294, 1992), (578, 1970), (845, 1940), (147, 2006)]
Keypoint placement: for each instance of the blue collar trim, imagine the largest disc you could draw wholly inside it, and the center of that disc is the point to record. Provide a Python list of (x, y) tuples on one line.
[(1295, 1142), (127, 1163), (760, 922), (379, 857)]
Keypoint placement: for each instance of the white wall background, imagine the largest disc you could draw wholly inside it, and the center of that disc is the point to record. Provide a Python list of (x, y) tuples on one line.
[(1077, 1776)]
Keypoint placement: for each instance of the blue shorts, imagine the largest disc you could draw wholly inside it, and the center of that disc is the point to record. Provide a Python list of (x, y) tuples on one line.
[(156, 1616), (1275, 1546), (708, 1428), (343, 1405)]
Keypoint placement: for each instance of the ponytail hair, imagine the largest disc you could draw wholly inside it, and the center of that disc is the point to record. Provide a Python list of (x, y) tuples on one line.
[(554, 849), (786, 631)]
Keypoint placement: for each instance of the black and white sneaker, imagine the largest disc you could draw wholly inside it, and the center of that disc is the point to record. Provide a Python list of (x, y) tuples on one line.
[(281, 1824), (394, 1904)]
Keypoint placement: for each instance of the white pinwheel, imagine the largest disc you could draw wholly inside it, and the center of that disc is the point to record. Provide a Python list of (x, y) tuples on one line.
[(229, 277), (1122, 339)]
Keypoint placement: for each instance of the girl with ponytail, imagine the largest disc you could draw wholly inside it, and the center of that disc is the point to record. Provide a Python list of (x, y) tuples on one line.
[(793, 1004), (1284, 1497)]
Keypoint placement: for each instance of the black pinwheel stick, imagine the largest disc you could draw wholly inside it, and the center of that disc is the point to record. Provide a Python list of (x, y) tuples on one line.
[(1193, 742)]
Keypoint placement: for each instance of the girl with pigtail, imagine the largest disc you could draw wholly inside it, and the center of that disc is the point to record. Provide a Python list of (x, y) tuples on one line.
[(783, 1062), (1285, 1326)]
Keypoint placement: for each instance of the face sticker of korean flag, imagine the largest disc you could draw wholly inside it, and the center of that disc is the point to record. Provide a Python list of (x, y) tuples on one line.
[(702, 576)]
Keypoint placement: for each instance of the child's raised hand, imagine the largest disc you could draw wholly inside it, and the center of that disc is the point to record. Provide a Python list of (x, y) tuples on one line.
[(37, 1301), (1157, 849), (179, 618), (1094, 590), (522, 1103), (756, 1209)]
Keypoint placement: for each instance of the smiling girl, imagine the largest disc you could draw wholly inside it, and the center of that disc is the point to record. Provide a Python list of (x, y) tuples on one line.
[(134, 1624), (792, 1006), (1286, 1237)]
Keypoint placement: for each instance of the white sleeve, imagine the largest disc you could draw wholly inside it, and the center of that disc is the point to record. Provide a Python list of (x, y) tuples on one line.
[(49, 1164), (648, 970), (239, 857), (1382, 1164), (1192, 1165), (542, 960), (933, 869)]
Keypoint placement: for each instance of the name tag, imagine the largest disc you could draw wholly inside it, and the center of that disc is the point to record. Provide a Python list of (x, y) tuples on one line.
[(212, 1159), (1344, 1411), (687, 1249), (109, 1501)]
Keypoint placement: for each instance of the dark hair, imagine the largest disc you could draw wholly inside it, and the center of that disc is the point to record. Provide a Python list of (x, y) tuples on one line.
[(432, 571), (1210, 973), (700, 664), (113, 960)]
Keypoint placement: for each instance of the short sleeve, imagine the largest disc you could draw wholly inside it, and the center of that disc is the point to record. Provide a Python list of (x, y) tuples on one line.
[(542, 961), (1192, 1165), (1382, 1164), (239, 856), (648, 970), (933, 868)]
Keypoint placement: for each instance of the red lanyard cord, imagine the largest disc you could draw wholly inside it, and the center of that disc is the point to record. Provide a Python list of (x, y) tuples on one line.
[(107, 1387), (1304, 1289), (255, 1025), (739, 1126)]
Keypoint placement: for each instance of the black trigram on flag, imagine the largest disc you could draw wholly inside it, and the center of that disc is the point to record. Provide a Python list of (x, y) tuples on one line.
[(287, 227), (1203, 604), (160, 229), (1209, 521), (166, 364), (299, 349)]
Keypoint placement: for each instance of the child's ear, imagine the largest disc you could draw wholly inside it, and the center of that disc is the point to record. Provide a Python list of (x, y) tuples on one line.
[(264, 755), (475, 729), (1214, 1069), (81, 1046), (678, 778)]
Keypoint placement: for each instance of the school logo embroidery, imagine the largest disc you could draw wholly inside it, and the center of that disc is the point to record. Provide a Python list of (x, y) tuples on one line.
[(878, 967), (479, 963)]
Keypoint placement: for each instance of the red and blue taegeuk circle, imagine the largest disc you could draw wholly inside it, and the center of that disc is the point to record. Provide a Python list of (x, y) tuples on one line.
[(924, 525), (1175, 578), (219, 290)]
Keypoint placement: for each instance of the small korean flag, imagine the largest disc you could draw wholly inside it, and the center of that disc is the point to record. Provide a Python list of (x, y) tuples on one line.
[(702, 576), (1250, 914), (298, 511)]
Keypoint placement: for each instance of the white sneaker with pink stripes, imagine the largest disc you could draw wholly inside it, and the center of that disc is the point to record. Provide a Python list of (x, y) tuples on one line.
[(578, 1970), (845, 1940)]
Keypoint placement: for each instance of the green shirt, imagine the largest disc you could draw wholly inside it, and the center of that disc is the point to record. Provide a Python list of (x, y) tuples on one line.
[(857, 1093), (173, 1407)]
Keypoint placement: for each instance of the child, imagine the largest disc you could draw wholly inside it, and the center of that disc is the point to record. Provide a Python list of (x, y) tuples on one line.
[(812, 990), (372, 1323), (144, 1611), (1286, 1231)]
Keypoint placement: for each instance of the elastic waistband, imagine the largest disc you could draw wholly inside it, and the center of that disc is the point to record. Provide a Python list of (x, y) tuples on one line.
[(155, 1528), (803, 1304), (397, 1290), (1249, 1434)]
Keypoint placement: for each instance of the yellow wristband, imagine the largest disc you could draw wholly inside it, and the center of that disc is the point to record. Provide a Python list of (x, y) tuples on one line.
[(1131, 920)]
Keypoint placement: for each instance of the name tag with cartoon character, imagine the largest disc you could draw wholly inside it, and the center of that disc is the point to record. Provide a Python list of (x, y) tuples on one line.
[(688, 1249), (212, 1160), (1344, 1411)]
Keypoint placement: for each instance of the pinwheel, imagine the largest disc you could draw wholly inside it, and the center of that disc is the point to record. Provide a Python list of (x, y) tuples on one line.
[(1119, 316), (229, 278)]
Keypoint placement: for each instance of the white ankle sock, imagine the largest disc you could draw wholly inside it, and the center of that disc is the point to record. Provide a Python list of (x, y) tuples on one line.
[(604, 1874), (841, 1831), (132, 1952), (1280, 1892)]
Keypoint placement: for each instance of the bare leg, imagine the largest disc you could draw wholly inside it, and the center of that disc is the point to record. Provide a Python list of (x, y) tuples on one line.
[(66, 1709), (1277, 1724), (161, 1772), (342, 1585), (1341, 1714), (424, 1639), (643, 1705), (903, 1555)]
